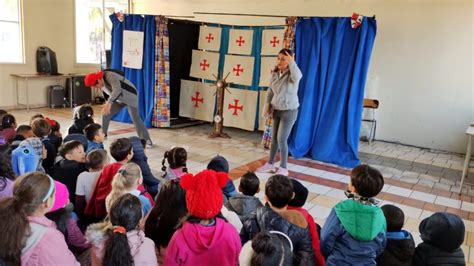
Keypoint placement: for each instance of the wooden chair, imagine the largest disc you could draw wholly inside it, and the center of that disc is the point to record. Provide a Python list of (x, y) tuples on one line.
[(371, 104)]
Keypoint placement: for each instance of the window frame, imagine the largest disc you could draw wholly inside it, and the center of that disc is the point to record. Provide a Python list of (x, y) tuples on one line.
[(76, 62), (21, 33)]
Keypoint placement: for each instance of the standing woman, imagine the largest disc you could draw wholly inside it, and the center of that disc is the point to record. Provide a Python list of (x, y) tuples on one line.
[(282, 104), (122, 93)]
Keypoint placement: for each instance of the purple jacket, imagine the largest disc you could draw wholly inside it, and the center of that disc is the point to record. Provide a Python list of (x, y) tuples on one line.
[(196, 244), (46, 245), (75, 239), (6, 187)]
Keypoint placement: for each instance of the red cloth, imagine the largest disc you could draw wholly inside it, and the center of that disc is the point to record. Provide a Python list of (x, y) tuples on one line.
[(204, 196), (314, 234), (92, 78), (96, 205)]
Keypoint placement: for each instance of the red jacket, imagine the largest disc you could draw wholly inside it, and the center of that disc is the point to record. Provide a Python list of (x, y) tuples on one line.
[(96, 205), (314, 234)]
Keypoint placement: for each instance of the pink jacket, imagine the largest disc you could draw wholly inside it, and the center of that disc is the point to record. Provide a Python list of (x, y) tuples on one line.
[(46, 245), (141, 247), (196, 244)]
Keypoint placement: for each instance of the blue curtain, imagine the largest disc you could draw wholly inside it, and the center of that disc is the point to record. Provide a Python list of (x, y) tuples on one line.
[(144, 79), (334, 59)]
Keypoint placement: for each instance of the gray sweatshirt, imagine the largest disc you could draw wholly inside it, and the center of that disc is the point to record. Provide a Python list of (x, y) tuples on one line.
[(283, 90), (120, 89)]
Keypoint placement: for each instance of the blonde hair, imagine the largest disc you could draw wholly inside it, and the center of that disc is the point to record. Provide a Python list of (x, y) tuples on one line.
[(124, 181)]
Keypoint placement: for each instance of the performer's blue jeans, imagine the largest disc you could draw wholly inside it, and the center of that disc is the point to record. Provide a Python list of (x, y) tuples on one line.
[(283, 122)]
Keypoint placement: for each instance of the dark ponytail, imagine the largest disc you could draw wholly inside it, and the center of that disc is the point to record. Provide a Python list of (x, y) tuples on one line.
[(271, 248), (28, 194), (124, 215), (176, 157)]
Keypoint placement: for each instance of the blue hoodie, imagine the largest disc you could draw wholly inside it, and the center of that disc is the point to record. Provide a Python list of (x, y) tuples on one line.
[(139, 157)]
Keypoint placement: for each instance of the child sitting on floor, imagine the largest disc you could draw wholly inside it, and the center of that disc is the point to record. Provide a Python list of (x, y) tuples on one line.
[(400, 244), (442, 234), (86, 181), (83, 116), (205, 237), (119, 241), (297, 203), (121, 151), (72, 164), (95, 137), (8, 128), (245, 203), (127, 180), (176, 158), (354, 232)]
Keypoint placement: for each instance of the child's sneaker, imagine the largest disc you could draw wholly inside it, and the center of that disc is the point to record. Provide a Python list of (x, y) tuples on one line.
[(282, 171), (266, 168)]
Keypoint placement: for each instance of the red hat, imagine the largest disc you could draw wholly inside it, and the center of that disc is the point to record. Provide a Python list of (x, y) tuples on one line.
[(204, 196), (92, 78)]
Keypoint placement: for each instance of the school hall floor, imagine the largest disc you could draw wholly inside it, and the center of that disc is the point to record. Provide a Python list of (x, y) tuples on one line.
[(419, 181)]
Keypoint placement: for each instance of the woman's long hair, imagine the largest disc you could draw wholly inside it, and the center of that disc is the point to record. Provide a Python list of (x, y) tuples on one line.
[(165, 216), (28, 194), (125, 213)]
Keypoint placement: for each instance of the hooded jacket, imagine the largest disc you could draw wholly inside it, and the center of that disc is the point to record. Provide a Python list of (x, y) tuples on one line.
[(142, 248), (290, 222), (139, 157), (66, 172), (442, 234), (353, 234), (196, 244), (243, 205), (399, 250), (45, 245)]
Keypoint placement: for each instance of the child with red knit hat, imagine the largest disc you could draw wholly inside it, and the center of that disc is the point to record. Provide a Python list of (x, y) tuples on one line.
[(205, 237)]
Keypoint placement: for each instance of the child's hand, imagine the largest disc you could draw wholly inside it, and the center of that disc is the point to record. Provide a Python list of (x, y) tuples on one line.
[(289, 58)]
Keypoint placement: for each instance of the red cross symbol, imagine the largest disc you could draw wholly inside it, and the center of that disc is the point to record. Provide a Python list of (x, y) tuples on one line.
[(274, 41), (204, 65), (240, 41), (236, 107), (238, 69), (209, 37), (196, 99)]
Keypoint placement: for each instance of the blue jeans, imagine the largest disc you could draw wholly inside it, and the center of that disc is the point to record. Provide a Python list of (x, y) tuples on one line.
[(283, 122)]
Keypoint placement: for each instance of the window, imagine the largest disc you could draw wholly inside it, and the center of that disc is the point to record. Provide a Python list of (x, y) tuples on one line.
[(89, 28), (11, 39)]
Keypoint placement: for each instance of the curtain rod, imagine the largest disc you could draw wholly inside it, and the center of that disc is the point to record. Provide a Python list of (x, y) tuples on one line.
[(175, 16), (238, 14)]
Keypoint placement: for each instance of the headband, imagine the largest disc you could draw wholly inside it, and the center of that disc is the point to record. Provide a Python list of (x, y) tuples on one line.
[(51, 189), (285, 236)]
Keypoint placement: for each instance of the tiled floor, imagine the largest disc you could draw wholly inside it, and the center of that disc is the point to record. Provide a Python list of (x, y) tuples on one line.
[(417, 180)]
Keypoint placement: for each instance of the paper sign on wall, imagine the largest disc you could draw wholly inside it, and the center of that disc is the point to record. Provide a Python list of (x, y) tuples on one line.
[(132, 53)]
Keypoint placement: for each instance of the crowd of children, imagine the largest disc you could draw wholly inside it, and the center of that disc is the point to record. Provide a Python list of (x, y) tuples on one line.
[(65, 203)]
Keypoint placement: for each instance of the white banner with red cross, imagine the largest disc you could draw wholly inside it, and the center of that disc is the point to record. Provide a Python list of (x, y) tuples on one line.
[(209, 38), (267, 65), (197, 100), (272, 41), (240, 69), (204, 65), (261, 120), (240, 42), (240, 108)]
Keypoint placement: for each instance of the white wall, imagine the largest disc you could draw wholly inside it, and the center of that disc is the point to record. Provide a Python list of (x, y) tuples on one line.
[(46, 23), (421, 67)]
